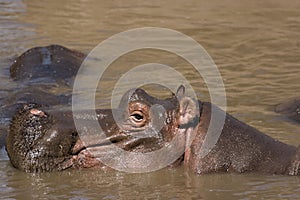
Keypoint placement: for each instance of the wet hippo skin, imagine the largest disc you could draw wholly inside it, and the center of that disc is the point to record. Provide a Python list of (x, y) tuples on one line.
[(290, 108), (40, 140), (43, 75), (240, 148), (54, 61), (40, 71)]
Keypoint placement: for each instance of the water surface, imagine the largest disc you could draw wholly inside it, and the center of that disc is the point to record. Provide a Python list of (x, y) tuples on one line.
[(255, 44)]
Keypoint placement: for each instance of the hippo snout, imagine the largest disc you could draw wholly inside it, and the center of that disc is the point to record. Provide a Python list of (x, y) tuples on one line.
[(37, 143)]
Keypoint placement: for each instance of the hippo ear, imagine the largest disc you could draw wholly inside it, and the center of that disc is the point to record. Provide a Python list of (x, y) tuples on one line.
[(180, 92), (188, 111)]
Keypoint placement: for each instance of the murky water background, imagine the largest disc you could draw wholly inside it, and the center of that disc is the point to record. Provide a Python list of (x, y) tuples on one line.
[(255, 44)]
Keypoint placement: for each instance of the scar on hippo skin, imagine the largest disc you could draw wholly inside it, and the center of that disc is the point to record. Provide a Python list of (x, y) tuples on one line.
[(290, 108)]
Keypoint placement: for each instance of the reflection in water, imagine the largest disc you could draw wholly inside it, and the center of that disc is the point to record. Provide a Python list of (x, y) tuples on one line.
[(255, 44), (164, 184)]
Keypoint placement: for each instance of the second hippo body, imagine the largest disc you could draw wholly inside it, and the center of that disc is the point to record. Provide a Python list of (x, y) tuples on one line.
[(54, 61), (43, 75)]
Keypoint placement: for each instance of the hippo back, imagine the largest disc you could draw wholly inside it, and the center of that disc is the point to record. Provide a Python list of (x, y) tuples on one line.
[(52, 61)]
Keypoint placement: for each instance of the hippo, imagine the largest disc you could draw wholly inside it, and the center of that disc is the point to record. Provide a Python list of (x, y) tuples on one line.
[(290, 108), (41, 140), (40, 73), (52, 62)]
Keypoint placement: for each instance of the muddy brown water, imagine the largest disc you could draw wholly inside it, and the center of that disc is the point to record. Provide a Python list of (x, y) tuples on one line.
[(255, 44)]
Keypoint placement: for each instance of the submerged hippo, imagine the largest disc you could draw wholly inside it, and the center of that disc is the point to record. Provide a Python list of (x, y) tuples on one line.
[(290, 108), (41, 140), (54, 62), (43, 75)]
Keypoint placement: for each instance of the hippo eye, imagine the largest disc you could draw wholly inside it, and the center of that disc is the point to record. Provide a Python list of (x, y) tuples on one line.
[(137, 117)]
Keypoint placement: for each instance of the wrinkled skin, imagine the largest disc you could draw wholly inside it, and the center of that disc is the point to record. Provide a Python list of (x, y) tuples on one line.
[(44, 139), (290, 108)]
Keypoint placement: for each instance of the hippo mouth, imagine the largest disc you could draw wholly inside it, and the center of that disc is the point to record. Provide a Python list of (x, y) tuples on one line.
[(90, 155), (128, 142)]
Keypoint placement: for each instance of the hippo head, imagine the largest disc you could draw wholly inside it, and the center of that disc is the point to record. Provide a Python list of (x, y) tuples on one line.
[(40, 140)]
